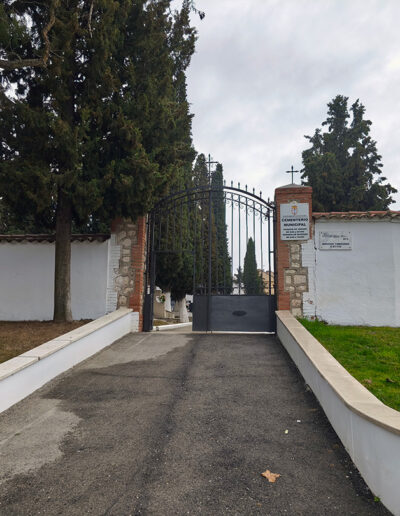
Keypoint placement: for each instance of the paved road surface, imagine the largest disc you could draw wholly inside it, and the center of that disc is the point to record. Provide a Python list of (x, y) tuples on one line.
[(175, 423)]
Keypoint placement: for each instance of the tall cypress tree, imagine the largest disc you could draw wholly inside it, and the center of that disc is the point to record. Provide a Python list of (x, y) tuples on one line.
[(343, 165), (173, 270), (102, 129), (221, 260), (252, 281)]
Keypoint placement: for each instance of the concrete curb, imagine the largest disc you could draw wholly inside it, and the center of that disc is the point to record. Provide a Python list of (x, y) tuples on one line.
[(171, 326), (26, 373), (368, 429)]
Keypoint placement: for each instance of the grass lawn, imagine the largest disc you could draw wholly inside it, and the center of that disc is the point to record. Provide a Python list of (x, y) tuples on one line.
[(18, 337), (370, 354)]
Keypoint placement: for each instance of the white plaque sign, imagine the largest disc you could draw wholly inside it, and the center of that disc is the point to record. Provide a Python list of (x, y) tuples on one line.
[(295, 222), (331, 240)]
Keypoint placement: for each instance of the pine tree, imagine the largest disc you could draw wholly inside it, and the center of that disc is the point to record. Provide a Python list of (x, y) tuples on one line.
[(343, 165), (252, 281), (101, 130)]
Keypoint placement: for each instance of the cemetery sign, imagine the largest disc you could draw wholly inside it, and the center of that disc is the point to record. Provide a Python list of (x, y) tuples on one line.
[(295, 221), (335, 240)]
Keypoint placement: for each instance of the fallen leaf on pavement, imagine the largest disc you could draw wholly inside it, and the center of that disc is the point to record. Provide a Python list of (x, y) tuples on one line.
[(271, 477)]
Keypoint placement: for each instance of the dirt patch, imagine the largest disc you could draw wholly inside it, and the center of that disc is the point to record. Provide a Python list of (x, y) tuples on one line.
[(18, 337)]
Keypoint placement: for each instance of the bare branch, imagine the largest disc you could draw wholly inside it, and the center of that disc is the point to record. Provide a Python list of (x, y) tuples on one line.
[(90, 18), (20, 63), (38, 62)]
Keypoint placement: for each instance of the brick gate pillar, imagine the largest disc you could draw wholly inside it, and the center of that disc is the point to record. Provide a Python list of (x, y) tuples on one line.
[(292, 278)]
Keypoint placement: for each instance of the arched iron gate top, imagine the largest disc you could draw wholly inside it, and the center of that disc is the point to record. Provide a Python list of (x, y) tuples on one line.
[(205, 189)]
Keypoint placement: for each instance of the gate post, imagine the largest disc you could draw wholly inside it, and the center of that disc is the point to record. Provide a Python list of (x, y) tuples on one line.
[(128, 262), (293, 208), (139, 266)]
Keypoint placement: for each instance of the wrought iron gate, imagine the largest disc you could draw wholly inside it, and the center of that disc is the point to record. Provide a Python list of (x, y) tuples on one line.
[(209, 233)]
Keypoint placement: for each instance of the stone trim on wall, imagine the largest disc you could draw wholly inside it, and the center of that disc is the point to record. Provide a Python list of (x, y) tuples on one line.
[(308, 260), (296, 279), (125, 234), (114, 255)]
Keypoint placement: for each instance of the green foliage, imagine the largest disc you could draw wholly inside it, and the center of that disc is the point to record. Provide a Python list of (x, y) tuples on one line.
[(221, 261), (238, 278), (175, 270), (185, 229), (107, 122), (343, 165), (252, 281), (14, 33), (370, 354), (200, 172)]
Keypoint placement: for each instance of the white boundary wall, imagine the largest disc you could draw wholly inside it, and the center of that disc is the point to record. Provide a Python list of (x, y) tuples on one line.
[(368, 429), (27, 280), (360, 286), (26, 373)]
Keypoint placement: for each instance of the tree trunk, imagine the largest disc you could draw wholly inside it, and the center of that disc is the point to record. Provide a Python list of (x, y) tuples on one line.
[(182, 310), (168, 306), (62, 279)]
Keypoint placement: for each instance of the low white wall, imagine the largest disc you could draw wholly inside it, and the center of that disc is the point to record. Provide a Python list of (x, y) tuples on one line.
[(368, 429), (360, 286), (27, 280), (26, 373)]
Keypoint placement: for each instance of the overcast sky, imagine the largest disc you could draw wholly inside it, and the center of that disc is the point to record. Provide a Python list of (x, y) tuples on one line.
[(264, 71)]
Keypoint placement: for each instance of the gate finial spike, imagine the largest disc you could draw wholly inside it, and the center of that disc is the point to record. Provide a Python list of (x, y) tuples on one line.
[(239, 186), (254, 191), (260, 193), (246, 188), (224, 182), (232, 184)]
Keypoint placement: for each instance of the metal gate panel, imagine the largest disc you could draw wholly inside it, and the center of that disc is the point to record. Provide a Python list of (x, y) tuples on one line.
[(234, 313)]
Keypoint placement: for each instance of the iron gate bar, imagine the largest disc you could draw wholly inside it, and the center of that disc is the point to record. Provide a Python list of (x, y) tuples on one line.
[(247, 217), (209, 259), (194, 250), (239, 269), (269, 252)]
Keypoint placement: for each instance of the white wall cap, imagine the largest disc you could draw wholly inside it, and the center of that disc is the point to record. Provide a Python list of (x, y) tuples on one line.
[(14, 365), (89, 328), (52, 346), (46, 349)]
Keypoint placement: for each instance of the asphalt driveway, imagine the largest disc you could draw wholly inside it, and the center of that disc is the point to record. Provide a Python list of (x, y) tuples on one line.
[(175, 423)]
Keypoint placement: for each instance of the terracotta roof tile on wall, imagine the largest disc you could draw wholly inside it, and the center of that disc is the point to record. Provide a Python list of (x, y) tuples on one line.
[(349, 215), (94, 237)]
